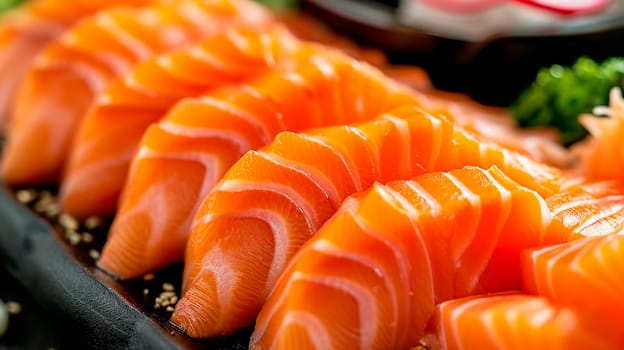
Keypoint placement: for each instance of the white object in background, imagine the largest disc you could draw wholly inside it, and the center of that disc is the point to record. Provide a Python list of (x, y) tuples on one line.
[(475, 20), (4, 318)]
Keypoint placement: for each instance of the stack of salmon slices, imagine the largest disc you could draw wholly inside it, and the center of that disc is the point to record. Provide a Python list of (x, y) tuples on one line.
[(312, 189)]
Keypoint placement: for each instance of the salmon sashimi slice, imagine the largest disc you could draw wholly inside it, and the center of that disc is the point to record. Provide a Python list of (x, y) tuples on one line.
[(583, 215), (518, 321), (111, 132), (585, 273), (497, 125), (206, 135), (27, 29), (65, 77), (300, 180), (372, 275)]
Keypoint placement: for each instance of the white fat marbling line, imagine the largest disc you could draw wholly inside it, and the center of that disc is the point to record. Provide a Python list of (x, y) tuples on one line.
[(315, 327), (232, 136), (596, 249), (109, 24), (539, 171), (72, 40), (403, 128), (328, 248), (391, 196), (367, 307), (240, 41), (434, 206), (371, 156), (95, 78), (472, 227), (551, 262), (575, 202), (264, 130), (89, 171), (325, 67), (155, 203), (212, 164), (596, 218), (316, 174), (217, 263), (345, 158), (279, 227), (203, 54), (536, 255), (295, 78), (437, 140), (131, 81), (491, 323), (453, 332), (278, 117), (196, 15), (277, 42), (546, 216), (321, 182), (541, 316), (290, 194)]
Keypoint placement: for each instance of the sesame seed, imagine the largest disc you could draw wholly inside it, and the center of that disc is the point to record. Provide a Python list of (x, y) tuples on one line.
[(94, 254), (52, 210), (46, 195), (73, 237), (42, 204), (92, 222), (148, 277), (167, 294), (168, 287), (145, 291), (68, 222), (173, 299), (26, 196), (156, 306), (14, 307), (170, 308), (87, 237)]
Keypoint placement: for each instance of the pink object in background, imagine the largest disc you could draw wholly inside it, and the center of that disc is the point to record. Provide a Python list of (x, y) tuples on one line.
[(476, 20), (568, 7)]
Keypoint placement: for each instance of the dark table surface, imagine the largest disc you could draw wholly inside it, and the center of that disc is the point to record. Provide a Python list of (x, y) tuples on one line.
[(34, 327)]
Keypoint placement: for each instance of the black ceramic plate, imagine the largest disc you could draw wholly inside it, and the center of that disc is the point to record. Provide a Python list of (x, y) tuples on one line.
[(102, 312)]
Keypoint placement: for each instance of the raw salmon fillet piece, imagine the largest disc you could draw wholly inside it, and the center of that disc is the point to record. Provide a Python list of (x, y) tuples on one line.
[(27, 29), (184, 155), (110, 133), (518, 321), (372, 275), (297, 182), (65, 77), (585, 274)]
